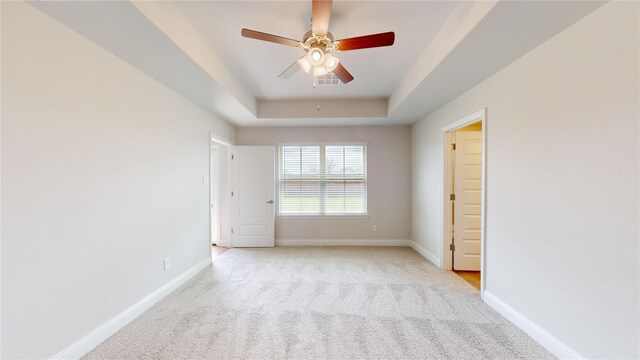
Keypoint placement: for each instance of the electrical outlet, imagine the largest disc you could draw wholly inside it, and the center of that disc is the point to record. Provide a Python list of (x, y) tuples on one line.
[(205, 180), (167, 264), (374, 228)]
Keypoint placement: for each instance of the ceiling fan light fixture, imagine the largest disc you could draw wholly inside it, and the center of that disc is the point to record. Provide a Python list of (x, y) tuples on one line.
[(304, 64), (320, 70), (331, 62), (315, 57)]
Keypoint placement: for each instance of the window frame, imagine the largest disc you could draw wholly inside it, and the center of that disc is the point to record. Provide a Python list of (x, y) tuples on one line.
[(323, 146)]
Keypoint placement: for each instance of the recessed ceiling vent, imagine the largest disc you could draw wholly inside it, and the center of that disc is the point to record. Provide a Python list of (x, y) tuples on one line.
[(328, 79)]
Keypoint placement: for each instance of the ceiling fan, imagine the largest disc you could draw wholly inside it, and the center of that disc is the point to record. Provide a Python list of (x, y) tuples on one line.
[(319, 43)]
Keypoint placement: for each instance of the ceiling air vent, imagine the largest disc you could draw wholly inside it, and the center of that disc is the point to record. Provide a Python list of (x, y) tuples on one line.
[(328, 79)]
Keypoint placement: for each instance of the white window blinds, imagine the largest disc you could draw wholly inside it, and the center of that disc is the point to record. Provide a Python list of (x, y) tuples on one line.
[(323, 180)]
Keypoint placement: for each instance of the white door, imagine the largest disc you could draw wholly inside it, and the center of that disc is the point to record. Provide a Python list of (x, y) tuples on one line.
[(252, 200), (467, 185)]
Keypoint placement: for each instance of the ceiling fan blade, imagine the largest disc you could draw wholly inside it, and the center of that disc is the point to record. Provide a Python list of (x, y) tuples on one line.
[(290, 71), (342, 74), (365, 42), (320, 14), (269, 37)]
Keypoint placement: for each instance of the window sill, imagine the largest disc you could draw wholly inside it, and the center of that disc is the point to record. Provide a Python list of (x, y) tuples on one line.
[(355, 216)]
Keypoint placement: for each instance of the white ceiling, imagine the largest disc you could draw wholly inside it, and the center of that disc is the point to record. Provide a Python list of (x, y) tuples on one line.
[(442, 49), (256, 64)]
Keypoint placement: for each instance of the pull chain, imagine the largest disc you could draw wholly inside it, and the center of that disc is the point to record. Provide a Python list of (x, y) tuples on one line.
[(315, 80)]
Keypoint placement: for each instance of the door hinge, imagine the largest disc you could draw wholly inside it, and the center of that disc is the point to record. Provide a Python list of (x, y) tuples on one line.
[(232, 193), (232, 230), (452, 146), (452, 197), (231, 157), (452, 247)]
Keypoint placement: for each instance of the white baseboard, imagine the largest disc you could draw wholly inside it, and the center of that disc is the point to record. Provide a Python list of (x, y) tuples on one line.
[(104, 331), (341, 242), (424, 252), (544, 338)]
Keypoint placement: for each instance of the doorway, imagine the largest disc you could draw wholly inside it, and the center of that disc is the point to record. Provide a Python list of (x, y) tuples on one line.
[(215, 194), (218, 197), (464, 198)]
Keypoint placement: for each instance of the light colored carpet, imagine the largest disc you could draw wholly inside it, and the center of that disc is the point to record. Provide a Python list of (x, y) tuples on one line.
[(321, 303)]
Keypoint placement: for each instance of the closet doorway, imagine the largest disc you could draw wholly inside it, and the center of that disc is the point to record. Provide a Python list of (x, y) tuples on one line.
[(463, 198)]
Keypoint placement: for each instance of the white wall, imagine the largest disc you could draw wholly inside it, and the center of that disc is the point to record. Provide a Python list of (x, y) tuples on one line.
[(389, 181), (562, 182), (102, 172)]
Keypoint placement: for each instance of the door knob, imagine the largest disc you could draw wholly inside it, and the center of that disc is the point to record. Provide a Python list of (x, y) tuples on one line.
[(270, 202)]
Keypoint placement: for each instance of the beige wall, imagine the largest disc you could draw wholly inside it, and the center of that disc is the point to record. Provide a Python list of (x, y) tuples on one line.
[(102, 172), (562, 182), (389, 181)]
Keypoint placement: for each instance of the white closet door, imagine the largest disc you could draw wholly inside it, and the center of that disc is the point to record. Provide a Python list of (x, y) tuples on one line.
[(467, 205), (252, 202)]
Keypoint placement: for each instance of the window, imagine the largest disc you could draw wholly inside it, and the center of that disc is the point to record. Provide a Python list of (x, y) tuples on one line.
[(323, 180)]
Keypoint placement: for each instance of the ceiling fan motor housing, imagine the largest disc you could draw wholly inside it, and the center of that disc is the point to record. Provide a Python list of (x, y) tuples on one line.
[(311, 40)]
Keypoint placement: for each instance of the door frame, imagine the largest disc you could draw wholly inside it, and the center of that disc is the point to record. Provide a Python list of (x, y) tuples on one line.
[(217, 143), (214, 193), (446, 216)]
